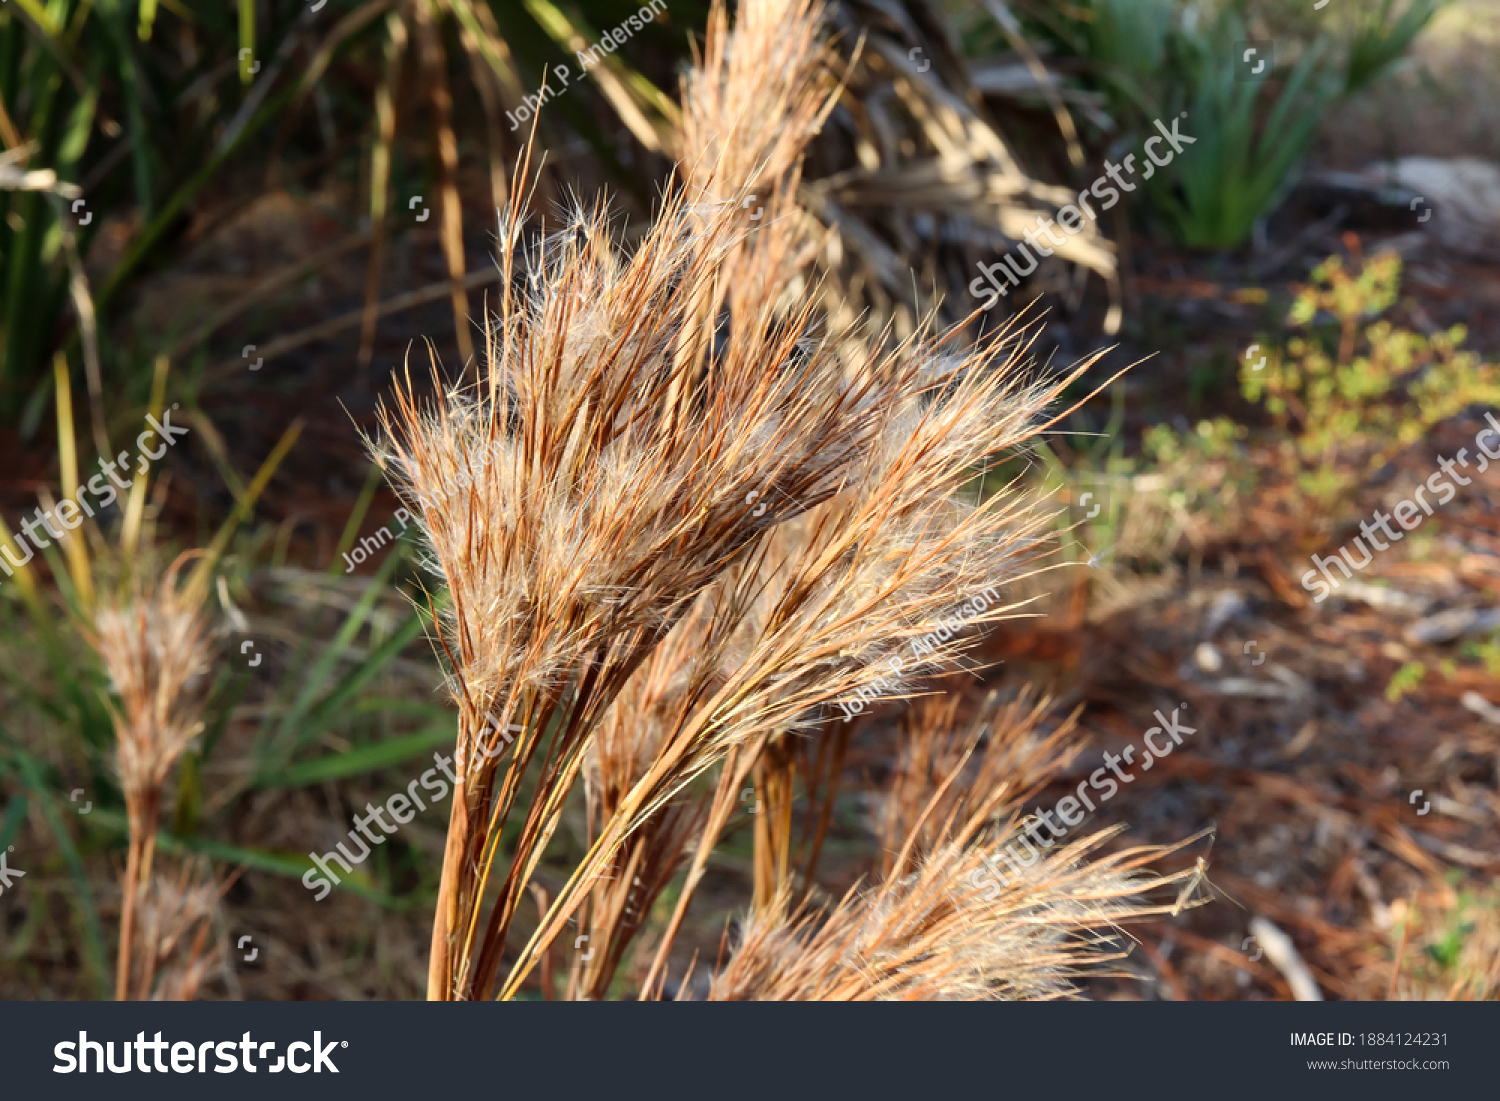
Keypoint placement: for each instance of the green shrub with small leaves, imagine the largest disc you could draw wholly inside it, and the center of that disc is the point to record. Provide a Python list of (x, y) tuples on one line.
[(1347, 394), (1204, 471), (1353, 391)]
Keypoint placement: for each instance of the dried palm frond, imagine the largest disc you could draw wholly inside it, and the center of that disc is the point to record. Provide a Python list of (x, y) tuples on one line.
[(155, 645), (917, 182), (943, 933)]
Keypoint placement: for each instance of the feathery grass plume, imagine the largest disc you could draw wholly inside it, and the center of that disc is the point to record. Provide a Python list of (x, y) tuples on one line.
[(621, 753), (575, 512), (751, 104), (942, 933), (589, 526), (930, 448), (155, 645), (946, 774), (177, 918), (885, 561), (878, 567), (754, 99)]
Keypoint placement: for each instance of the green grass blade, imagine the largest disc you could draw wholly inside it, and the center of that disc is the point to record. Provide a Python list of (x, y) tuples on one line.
[(247, 41), (15, 814), (358, 677), (95, 954), (323, 668), (294, 866), (338, 766)]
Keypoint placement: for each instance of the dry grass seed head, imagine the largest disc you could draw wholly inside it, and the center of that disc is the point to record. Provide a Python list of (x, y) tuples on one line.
[(599, 479), (942, 933), (156, 647), (588, 512), (949, 779), (754, 98), (876, 566), (175, 932)]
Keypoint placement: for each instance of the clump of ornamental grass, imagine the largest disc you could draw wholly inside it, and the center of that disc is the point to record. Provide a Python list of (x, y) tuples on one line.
[(609, 511), (612, 501), (677, 520), (155, 644), (943, 921)]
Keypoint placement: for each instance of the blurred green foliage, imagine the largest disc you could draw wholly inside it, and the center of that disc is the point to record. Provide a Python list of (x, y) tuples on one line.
[(1154, 59), (1346, 396), (1351, 395), (140, 110)]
